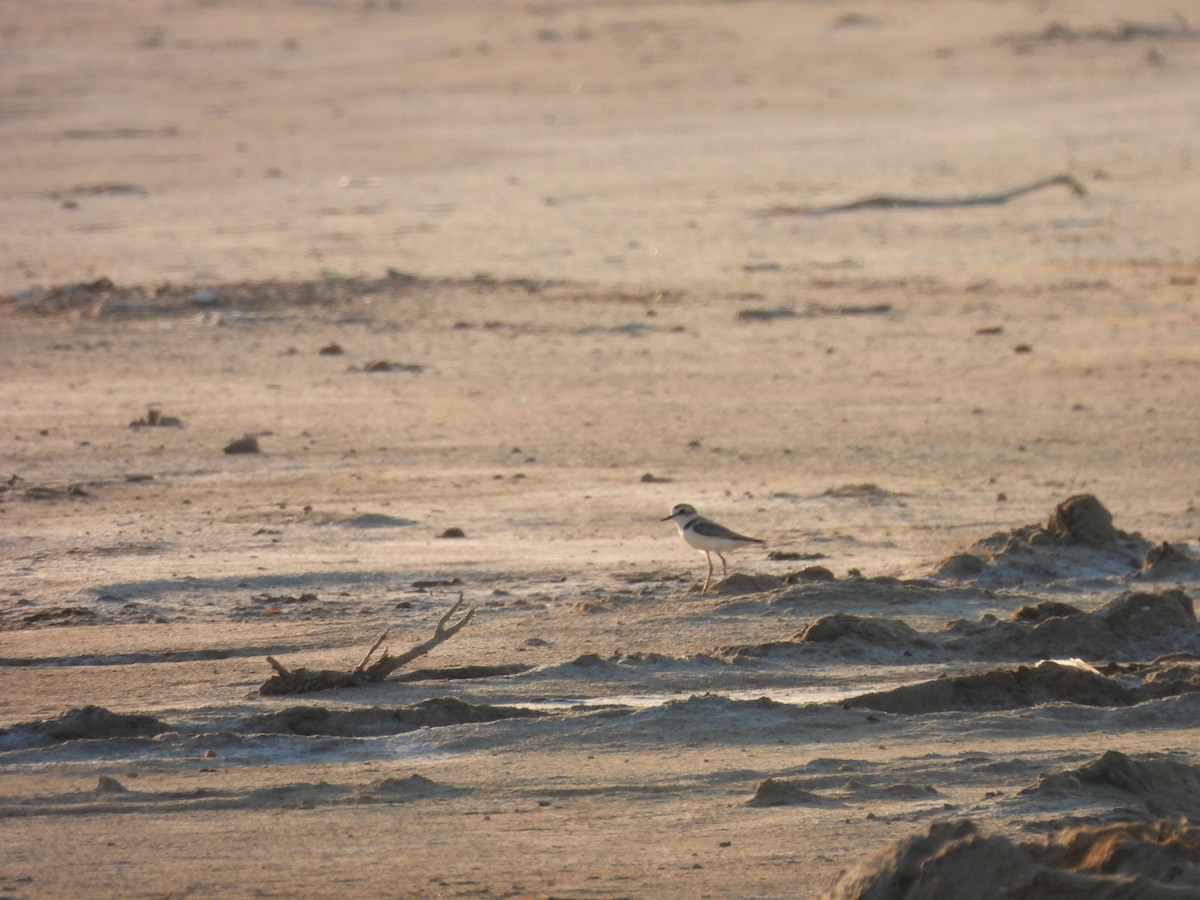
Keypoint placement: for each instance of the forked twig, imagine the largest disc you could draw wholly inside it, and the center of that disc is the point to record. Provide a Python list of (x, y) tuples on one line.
[(387, 664), (299, 681)]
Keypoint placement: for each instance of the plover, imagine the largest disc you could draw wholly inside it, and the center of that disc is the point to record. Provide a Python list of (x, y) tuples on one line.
[(707, 536)]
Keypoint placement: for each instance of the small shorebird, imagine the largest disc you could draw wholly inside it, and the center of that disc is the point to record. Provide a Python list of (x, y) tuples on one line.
[(707, 536)]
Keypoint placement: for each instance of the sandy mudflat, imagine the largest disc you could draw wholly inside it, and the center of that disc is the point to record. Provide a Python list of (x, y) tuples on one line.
[(538, 272)]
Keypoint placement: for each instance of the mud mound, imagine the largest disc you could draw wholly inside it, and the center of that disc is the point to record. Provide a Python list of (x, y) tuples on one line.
[(716, 703), (376, 520), (1167, 676), (1134, 625), (372, 721), (781, 792), (1020, 688), (844, 783), (85, 723), (414, 787), (1142, 855), (808, 573), (712, 718), (877, 632), (1078, 544), (623, 666), (1169, 562), (902, 790), (954, 860), (1154, 788), (1142, 615)]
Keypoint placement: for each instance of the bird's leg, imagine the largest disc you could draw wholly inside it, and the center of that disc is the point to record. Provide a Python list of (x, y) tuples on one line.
[(724, 568), (710, 570)]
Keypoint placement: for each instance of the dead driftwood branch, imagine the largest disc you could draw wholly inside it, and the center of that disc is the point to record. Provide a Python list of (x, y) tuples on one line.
[(387, 664), (887, 201), (302, 681)]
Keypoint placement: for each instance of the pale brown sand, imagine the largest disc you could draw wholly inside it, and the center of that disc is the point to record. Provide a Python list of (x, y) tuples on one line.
[(580, 192)]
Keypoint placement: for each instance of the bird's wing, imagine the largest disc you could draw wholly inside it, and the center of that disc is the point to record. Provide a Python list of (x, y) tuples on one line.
[(713, 530)]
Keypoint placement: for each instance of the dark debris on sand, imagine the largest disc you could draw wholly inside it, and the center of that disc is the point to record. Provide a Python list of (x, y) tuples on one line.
[(103, 298)]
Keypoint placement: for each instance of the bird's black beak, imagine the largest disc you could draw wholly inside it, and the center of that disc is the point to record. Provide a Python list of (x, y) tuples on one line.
[(666, 518)]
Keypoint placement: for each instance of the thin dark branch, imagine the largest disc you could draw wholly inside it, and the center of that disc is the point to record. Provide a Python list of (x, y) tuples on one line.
[(375, 646), (887, 201)]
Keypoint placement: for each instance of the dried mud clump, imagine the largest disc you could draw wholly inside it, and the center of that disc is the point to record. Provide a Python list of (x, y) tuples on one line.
[(781, 792), (385, 365), (376, 520), (853, 791), (962, 567), (1083, 518), (154, 418), (1078, 543), (247, 444), (954, 860)]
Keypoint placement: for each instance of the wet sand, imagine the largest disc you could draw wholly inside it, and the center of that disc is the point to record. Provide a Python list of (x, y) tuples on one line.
[(538, 273)]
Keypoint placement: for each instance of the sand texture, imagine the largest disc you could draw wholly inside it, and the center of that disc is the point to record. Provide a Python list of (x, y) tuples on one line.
[(318, 317)]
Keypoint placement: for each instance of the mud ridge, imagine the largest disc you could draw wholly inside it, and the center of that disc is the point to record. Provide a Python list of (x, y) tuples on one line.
[(1019, 688), (1134, 625), (94, 723), (376, 721), (84, 723), (113, 796)]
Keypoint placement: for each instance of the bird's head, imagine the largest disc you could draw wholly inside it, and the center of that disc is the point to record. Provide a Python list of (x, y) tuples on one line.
[(680, 512)]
